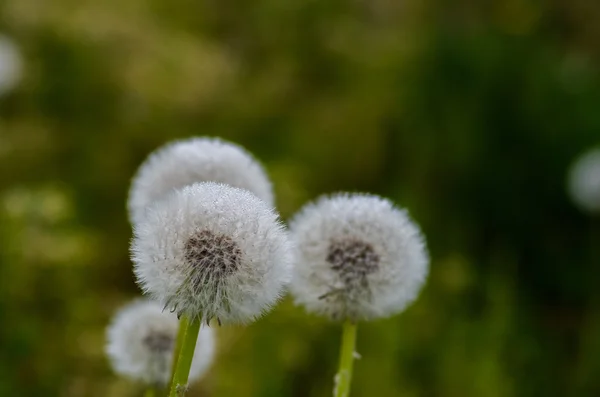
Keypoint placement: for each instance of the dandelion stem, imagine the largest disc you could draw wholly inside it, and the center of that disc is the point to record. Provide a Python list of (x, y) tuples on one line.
[(186, 354), (344, 375), (183, 323)]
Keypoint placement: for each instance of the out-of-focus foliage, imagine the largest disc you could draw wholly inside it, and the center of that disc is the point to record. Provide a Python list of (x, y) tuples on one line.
[(468, 113)]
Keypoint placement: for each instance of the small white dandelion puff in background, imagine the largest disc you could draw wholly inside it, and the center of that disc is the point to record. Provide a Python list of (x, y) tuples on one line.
[(358, 257), (185, 162), (584, 181), (141, 341), (212, 251), (11, 64)]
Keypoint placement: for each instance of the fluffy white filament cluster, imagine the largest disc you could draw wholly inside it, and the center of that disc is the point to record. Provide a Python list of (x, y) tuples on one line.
[(212, 251), (11, 64), (358, 257), (584, 181), (141, 340), (185, 162)]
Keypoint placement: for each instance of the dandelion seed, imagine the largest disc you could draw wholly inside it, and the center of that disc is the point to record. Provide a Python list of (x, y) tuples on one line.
[(141, 339), (212, 251), (185, 162), (584, 181), (358, 257)]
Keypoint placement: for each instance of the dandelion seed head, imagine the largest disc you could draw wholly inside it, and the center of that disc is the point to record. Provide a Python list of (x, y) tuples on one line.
[(584, 181), (141, 340), (213, 251), (185, 162), (357, 257)]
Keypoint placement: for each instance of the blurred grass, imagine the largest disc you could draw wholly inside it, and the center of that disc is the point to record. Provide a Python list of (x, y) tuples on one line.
[(467, 114)]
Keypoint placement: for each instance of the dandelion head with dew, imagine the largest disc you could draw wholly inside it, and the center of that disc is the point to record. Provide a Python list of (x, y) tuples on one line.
[(212, 251), (358, 258)]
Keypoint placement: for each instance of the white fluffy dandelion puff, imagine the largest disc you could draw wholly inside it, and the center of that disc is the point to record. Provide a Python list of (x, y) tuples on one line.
[(212, 251), (185, 162), (584, 181), (141, 341), (358, 257)]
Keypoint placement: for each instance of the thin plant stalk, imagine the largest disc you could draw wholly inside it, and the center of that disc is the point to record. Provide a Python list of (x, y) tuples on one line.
[(344, 375), (183, 323), (186, 354)]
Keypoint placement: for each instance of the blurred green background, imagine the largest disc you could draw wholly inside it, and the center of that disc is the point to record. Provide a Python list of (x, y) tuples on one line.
[(468, 113)]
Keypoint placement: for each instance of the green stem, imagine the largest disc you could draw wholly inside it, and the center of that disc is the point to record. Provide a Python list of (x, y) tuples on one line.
[(344, 375), (183, 323), (186, 354)]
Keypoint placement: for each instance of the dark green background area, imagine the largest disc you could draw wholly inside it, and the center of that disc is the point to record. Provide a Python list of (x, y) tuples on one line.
[(467, 114)]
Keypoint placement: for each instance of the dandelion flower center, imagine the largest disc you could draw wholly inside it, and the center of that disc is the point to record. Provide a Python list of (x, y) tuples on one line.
[(159, 342), (218, 254), (352, 258), (212, 258)]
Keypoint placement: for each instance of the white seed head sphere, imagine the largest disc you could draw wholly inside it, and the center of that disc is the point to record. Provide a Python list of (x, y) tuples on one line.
[(212, 250), (141, 340), (357, 257), (584, 181), (185, 162)]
